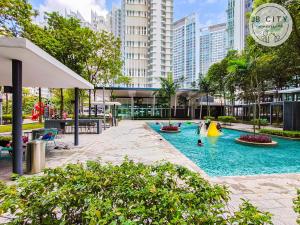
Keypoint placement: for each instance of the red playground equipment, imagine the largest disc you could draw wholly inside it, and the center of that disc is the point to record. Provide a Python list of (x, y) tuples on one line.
[(38, 111)]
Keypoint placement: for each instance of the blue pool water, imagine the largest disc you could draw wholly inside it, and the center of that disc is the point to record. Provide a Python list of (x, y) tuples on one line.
[(222, 156)]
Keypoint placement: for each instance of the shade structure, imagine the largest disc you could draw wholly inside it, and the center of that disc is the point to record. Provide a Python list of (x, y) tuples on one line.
[(39, 68), (23, 64)]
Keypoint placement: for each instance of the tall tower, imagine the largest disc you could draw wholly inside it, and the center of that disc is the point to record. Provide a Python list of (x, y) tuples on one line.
[(147, 40), (237, 28), (185, 50), (213, 46)]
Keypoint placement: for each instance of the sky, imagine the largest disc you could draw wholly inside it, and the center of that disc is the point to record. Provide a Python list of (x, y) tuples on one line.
[(209, 11)]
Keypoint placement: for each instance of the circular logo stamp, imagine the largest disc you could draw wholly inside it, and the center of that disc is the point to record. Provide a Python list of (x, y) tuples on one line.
[(270, 24)]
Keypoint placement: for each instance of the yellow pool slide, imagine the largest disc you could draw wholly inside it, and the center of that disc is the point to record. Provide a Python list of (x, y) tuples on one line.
[(212, 130)]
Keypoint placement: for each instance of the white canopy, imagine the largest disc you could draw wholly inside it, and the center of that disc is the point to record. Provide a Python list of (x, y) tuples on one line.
[(39, 68)]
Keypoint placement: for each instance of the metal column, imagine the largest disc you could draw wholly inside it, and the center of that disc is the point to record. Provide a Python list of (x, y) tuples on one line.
[(76, 117), (17, 117)]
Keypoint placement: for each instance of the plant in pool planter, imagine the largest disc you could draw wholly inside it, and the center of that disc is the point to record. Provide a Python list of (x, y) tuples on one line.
[(170, 128), (129, 193), (256, 138)]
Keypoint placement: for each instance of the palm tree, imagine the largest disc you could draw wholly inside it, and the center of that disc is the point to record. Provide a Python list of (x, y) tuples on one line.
[(168, 90), (205, 86)]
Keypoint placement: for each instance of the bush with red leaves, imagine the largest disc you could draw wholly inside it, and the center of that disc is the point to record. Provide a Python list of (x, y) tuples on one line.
[(170, 128), (256, 138)]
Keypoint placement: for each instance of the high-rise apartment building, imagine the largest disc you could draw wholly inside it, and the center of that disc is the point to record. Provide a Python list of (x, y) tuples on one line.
[(185, 50), (147, 40), (237, 23), (213, 46), (115, 21)]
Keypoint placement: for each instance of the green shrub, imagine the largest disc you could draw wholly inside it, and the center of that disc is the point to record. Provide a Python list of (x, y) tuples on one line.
[(209, 118), (262, 122), (7, 118), (227, 119), (284, 133), (4, 140), (126, 194)]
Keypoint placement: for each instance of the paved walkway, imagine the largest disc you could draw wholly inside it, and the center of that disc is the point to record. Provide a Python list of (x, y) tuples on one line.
[(273, 193)]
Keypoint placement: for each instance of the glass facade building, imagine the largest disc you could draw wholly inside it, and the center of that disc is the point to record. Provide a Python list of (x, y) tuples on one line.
[(212, 46), (185, 54)]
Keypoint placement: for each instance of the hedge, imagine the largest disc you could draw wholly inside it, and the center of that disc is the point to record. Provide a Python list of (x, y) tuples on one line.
[(4, 140), (283, 133), (262, 122), (209, 118), (129, 193), (227, 119), (27, 126), (7, 118)]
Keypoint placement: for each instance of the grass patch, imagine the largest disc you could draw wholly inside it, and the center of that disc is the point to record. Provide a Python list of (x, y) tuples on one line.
[(283, 133), (28, 126)]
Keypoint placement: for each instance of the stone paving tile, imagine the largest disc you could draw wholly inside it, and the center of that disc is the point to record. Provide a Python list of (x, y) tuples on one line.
[(273, 193)]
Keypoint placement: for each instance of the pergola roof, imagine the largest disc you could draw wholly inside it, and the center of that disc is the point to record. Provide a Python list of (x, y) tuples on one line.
[(39, 68)]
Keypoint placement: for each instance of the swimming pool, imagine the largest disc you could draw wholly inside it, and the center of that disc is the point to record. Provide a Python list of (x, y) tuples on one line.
[(222, 156)]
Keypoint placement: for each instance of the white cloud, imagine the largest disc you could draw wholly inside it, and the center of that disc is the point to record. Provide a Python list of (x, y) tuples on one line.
[(83, 6)]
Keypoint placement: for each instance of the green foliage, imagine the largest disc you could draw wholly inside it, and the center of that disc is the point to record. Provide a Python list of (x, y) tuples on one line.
[(249, 214), (209, 118), (27, 126), (284, 133), (262, 122), (168, 90), (4, 140), (227, 119), (125, 194), (7, 118), (15, 15), (297, 206)]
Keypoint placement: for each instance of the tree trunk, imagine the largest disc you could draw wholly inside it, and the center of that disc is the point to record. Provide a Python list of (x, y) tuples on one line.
[(90, 104), (61, 103), (201, 106), (170, 111), (208, 111), (6, 103), (40, 105), (104, 116)]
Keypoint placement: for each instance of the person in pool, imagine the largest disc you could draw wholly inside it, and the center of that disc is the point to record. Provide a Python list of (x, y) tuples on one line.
[(200, 142), (219, 127)]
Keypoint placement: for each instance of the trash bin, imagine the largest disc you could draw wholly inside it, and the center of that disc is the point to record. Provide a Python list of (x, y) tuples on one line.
[(35, 156)]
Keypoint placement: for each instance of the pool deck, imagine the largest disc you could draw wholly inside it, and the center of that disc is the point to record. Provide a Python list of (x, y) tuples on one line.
[(272, 193)]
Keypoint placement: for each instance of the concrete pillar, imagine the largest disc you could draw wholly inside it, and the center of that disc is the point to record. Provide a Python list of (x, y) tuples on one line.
[(153, 105), (132, 107), (76, 117), (17, 117)]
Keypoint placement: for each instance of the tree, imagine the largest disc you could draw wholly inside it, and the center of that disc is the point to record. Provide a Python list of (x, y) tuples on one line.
[(217, 74), (206, 86), (64, 39), (107, 64), (15, 15), (168, 90)]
